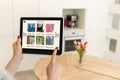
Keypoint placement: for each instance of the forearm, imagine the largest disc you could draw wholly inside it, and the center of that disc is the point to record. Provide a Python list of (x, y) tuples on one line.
[(13, 65)]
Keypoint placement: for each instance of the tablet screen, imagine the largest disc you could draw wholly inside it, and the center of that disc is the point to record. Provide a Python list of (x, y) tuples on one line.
[(41, 35)]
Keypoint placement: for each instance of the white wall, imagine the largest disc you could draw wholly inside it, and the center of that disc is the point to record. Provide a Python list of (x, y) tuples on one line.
[(97, 20), (6, 31), (10, 13)]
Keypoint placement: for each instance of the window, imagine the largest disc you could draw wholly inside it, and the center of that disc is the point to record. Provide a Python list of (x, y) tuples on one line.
[(112, 46)]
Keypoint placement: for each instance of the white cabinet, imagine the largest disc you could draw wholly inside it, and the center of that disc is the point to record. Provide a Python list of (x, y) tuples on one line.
[(74, 4), (50, 8), (23, 8), (6, 26), (80, 13), (73, 30)]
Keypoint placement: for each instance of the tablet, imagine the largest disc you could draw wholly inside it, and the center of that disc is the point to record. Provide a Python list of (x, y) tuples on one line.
[(41, 35)]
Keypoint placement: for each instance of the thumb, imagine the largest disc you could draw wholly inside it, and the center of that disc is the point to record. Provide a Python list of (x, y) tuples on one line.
[(18, 40)]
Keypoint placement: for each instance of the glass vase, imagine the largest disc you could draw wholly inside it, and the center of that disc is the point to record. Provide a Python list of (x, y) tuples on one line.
[(80, 64), (80, 59)]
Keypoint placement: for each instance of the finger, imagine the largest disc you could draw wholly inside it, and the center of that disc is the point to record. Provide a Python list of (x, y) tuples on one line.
[(18, 37), (54, 54), (18, 40)]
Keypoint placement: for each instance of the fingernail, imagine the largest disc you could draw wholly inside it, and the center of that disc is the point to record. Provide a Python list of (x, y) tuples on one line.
[(18, 37), (56, 48)]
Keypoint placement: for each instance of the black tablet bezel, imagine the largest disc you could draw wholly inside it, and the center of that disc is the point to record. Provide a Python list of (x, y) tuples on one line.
[(42, 51)]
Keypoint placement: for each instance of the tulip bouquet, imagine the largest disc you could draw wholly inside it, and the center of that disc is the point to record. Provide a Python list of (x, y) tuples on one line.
[(80, 48)]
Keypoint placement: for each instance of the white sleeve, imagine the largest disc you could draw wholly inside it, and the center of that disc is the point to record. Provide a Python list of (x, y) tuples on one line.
[(5, 75)]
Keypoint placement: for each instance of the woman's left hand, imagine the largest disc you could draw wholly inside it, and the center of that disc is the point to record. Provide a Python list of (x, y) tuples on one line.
[(17, 49)]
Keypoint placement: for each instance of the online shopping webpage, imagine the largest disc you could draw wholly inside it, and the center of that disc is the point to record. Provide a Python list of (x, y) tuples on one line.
[(41, 34)]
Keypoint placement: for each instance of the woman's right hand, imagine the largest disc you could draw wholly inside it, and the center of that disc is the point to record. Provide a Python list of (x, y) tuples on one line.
[(54, 69)]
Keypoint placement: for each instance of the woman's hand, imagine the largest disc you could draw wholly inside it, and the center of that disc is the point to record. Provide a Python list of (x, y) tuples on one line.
[(54, 69), (17, 49), (14, 63)]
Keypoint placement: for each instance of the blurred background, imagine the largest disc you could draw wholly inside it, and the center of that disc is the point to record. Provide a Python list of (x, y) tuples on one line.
[(95, 21)]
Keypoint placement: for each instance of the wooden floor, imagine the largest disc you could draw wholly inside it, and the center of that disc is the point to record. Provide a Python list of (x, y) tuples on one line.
[(25, 75)]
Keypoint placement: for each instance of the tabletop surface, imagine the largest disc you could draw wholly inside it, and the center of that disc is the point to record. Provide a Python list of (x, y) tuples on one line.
[(93, 68)]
